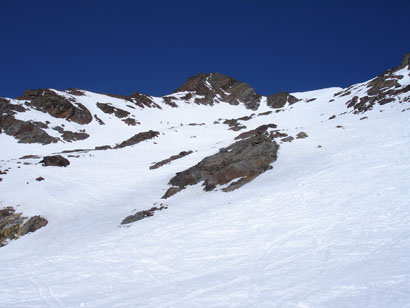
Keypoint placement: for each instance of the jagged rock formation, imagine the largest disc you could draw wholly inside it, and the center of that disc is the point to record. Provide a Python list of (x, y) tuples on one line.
[(168, 160), (13, 225), (223, 88), (243, 160)]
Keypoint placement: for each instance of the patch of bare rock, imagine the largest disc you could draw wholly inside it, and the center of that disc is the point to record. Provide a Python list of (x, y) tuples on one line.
[(170, 159), (137, 139), (242, 161), (142, 214), (13, 225)]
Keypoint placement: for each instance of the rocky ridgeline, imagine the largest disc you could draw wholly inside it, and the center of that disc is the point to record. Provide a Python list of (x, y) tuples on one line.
[(381, 90), (13, 225)]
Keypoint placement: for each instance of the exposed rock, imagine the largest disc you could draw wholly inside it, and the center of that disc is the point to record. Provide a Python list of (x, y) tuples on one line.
[(75, 92), (101, 122), (264, 113), (74, 136), (279, 100), (405, 61), (13, 225), (381, 90), (32, 225), (137, 139), (71, 136), (244, 160), (225, 89), (171, 191), (287, 139), (46, 100), (55, 160), (301, 135), (255, 132), (332, 117), (130, 121), (24, 131), (40, 178), (118, 112), (142, 100), (234, 124), (170, 101), (103, 147), (142, 214), (168, 160)]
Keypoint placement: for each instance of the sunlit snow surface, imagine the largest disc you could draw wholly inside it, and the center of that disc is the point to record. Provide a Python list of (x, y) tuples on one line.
[(328, 226)]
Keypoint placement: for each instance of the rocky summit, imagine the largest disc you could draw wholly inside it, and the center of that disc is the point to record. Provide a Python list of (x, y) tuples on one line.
[(211, 192)]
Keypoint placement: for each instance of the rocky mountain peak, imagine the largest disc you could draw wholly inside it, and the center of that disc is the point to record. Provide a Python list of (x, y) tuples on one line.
[(222, 88)]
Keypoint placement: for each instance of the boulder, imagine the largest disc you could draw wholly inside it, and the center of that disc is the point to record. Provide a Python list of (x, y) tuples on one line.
[(55, 160)]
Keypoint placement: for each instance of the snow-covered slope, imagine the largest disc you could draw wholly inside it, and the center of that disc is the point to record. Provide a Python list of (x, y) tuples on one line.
[(327, 226)]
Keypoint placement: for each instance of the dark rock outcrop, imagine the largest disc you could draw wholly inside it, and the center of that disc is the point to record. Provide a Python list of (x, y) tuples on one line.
[(224, 88), (58, 106), (55, 160), (380, 90), (142, 214), (142, 100), (243, 160), (279, 100), (168, 160), (137, 139), (24, 131), (118, 112), (13, 225), (255, 132), (405, 61)]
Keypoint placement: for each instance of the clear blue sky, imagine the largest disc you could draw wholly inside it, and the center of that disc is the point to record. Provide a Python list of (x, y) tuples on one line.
[(154, 46)]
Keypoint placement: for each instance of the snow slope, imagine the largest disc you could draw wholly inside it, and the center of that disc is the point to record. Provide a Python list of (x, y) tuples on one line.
[(328, 226)]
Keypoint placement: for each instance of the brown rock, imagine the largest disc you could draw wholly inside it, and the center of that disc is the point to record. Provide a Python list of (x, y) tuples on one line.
[(137, 139), (279, 100), (48, 101), (301, 135), (55, 160), (244, 159)]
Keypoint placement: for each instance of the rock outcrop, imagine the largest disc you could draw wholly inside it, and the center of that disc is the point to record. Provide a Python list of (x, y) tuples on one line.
[(243, 160), (170, 159), (142, 214), (13, 225), (55, 160), (23, 131), (381, 90), (137, 139), (58, 106), (223, 88), (280, 99)]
